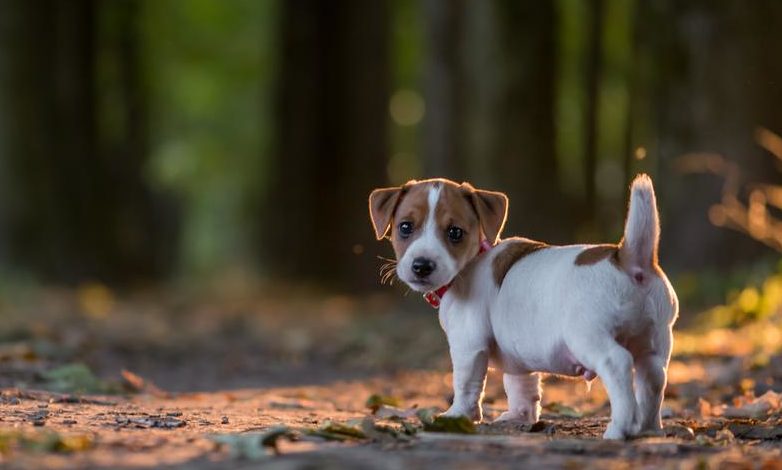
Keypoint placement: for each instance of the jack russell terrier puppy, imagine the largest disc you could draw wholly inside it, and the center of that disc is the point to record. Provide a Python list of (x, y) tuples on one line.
[(578, 310)]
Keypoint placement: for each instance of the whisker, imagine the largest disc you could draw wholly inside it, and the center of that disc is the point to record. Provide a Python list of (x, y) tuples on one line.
[(387, 270), (388, 273)]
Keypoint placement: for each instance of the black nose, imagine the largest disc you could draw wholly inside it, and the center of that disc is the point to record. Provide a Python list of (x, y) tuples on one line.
[(423, 267)]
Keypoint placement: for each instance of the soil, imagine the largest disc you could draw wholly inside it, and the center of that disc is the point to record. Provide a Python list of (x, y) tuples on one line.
[(208, 380)]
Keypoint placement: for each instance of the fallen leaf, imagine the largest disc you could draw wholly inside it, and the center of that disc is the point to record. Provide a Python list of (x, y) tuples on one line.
[(374, 402), (136, 383), (21, 350), (73, 378), (748, 431), (563, 410), (338, 432), (45, 442), (457, 425), (722, 437), (391, 412), (755, 410), (381, 433), (679, 431), (253, 446), (427, 415)]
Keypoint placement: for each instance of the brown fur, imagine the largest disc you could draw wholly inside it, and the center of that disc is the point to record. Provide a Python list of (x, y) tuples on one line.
[(454, 209), (414, 207), (492, 210), (597, 253), (513, 251)]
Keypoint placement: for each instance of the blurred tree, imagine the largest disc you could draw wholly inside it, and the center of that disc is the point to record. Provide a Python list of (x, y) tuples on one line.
[(591, 121), (75, 206), (498, 123), (331, 148), (523, 161), (711, 75), (445, 90)]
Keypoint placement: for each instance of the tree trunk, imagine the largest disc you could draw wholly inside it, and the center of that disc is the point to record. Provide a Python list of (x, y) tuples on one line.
[(331, 142), (68, 197), (445, 90), (591, 118), (49, 98), (524, 161)]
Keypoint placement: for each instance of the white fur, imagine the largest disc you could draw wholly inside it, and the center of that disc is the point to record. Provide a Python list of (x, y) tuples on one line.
[(642, 230), (428, 245), (550, 312)]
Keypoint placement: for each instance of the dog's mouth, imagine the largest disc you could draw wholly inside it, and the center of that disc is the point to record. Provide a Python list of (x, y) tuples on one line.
[(422, 285)]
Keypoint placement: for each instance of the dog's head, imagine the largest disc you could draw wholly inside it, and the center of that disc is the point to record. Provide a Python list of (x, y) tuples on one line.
[(436, 227)]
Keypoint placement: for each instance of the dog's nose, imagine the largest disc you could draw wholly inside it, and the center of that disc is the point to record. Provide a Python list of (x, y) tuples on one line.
[(423, 267)]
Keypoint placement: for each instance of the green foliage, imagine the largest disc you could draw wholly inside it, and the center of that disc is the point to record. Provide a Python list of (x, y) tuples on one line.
[(752, 303), (211, 78), (74, 378)]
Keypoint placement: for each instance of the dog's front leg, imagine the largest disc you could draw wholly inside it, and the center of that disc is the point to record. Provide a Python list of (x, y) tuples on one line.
[(469, 379), (523, 393)]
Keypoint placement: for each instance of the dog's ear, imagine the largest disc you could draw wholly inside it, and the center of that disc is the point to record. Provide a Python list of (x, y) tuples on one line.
[(492, 210), (382, 203)]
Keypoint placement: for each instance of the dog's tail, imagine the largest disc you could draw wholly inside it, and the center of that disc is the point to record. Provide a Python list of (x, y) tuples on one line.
[(642, 229)]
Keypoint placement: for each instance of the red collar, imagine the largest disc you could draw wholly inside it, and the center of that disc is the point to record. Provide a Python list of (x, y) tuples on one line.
[(433, 297)]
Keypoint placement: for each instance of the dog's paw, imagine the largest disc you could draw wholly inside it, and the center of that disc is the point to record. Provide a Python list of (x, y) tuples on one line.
[(615, 432), (474, 413), (528, 415), (648, 430)]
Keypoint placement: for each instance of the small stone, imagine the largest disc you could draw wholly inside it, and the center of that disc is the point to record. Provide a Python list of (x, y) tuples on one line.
[(679, 431), (224, 420)]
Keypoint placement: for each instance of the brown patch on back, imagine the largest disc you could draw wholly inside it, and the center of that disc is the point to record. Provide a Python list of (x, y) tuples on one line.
[(514, 250), (597, 253)]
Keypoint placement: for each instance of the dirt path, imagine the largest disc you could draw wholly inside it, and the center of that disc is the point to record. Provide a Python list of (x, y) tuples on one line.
[(179, 430), (233, 375)]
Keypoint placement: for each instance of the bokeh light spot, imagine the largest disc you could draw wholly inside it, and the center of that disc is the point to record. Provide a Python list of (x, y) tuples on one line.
[(407, 107)]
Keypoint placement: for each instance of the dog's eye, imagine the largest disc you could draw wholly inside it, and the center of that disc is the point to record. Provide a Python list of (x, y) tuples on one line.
[(405, 229), (455, 233)]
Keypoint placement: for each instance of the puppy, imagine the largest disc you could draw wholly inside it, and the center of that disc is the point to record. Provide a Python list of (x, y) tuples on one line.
[(529, 307)]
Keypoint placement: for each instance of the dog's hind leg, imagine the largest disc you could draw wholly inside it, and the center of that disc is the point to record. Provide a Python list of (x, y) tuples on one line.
[(614, 365), (651, 375), (523, 393)]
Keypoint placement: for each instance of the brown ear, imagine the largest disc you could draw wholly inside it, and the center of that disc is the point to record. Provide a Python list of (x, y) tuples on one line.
[(382, 203), (492, 209)]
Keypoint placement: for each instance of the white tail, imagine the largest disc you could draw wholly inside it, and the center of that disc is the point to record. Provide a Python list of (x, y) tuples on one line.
[(642, 229)]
